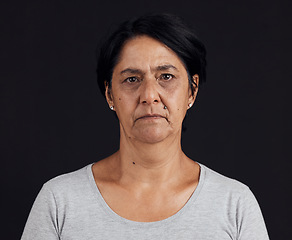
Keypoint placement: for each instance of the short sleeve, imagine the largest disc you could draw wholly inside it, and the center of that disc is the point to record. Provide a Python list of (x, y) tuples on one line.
[(42, 221), (250, 221)]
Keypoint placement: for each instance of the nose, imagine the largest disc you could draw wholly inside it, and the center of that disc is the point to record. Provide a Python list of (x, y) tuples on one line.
[(149, 92)]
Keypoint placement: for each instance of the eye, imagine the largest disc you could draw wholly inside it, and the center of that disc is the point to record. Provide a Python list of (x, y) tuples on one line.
[(166, 76), (131, 79)]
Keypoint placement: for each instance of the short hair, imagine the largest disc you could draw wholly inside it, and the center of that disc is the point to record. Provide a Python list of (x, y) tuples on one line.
[(168, 29)]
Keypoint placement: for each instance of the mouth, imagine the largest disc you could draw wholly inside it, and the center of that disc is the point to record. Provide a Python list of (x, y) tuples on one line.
[(150, 117)]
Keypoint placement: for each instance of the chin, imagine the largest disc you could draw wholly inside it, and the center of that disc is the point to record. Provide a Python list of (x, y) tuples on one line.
[(151, 135)]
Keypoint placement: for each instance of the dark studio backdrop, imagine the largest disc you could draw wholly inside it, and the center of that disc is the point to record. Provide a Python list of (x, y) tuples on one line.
[(54, 119)]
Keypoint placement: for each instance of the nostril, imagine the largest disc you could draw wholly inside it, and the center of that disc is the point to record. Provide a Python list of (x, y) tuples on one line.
[(155, 100)]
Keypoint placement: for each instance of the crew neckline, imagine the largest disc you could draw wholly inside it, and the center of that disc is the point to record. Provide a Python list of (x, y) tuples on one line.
[(107, 209)]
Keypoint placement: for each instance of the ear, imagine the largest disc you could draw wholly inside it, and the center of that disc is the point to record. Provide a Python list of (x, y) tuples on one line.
[(108, 94), (194, 91)]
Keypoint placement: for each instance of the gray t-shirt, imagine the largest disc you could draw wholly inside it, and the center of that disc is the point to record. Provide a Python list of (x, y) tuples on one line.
[(70, 207)]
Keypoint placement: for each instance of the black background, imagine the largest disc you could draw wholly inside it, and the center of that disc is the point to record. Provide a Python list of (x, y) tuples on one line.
[(54, 119)]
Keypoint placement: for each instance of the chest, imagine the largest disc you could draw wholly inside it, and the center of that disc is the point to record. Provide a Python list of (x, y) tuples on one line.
[(188, 226), (146, 206)]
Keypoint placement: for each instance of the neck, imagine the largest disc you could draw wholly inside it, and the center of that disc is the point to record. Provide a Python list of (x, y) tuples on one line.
[(151, 164)]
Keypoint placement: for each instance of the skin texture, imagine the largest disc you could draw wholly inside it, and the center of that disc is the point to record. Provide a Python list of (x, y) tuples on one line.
[(149, 178)]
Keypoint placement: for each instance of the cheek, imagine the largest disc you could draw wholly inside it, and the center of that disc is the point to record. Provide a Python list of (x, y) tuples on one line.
[(124, 106), (178, 98), (177, 108)]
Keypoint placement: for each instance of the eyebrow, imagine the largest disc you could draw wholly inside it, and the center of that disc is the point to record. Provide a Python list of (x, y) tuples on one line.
[(132, 71), (166, 67), (158, 68)]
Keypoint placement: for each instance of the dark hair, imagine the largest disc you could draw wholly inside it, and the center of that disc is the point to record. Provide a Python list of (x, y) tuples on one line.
[(166, 28)]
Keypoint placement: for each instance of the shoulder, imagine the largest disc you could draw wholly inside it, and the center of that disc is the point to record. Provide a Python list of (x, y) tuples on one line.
[(231, 203), (220, 185), (69, 182), (227, 195)]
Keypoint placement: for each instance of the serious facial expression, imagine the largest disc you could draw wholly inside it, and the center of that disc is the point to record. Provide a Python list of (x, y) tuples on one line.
[(150, 91)]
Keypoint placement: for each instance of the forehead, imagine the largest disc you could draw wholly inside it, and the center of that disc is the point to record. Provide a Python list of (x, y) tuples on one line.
[(144, 52)]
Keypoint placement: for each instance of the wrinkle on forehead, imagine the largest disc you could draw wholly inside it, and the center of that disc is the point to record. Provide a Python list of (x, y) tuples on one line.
[(152, 54)]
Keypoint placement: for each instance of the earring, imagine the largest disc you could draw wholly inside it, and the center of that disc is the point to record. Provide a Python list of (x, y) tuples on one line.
[(111, 107), (190, 105)]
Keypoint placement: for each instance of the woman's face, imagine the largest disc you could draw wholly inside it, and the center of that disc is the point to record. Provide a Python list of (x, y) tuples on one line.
[(150, 91)]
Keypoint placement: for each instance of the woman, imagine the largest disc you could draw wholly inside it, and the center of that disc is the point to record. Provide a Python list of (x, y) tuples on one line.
[(149, 71)]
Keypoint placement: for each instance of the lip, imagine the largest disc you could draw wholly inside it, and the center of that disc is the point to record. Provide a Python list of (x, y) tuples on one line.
[(150, 116)]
